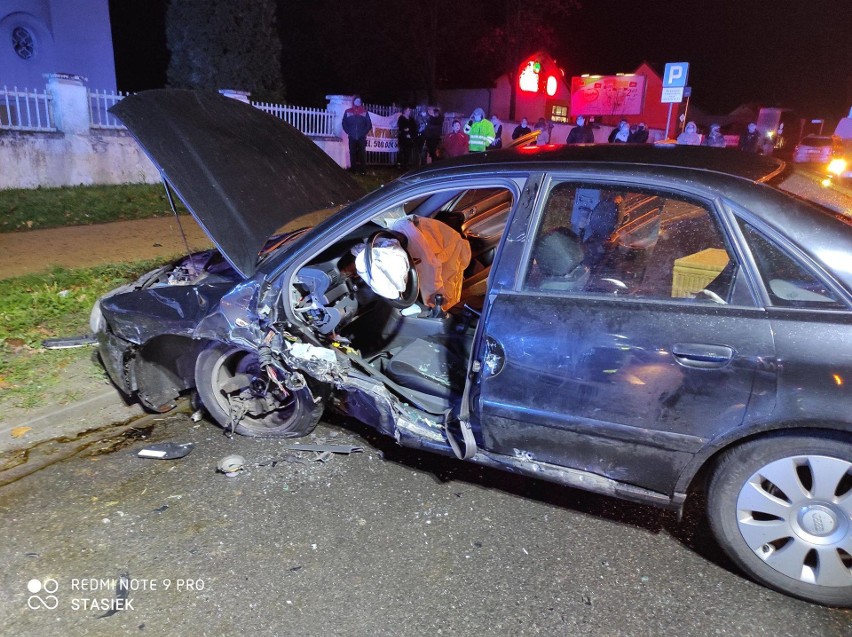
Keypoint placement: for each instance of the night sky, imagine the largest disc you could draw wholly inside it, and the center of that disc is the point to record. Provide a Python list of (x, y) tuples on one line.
[(790, 53)]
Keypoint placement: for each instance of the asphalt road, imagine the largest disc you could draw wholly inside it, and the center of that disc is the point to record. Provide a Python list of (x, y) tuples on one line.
[(384, 542)]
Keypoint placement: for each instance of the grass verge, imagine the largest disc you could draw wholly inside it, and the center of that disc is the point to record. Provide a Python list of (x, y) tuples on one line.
[(41, 208), (35, 307)]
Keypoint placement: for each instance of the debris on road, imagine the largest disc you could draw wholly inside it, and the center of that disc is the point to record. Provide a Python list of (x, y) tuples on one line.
[(231, 465), (166, 451), (68, 342)]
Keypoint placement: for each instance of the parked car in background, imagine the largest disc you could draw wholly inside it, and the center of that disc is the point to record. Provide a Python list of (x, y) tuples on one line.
[(815, 149), (641, 322)]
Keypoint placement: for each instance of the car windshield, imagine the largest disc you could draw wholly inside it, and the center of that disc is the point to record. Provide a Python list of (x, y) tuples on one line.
[(805, 186)]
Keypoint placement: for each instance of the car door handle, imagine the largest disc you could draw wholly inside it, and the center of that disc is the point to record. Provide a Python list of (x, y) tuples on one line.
[(702, 355)]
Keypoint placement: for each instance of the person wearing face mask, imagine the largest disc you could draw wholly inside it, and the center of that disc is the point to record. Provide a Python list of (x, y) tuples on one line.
[(620, 134), (456, 143), (480, 131), (357, 125), (581, 134), (689, 136), (640, 135), (522, 129)]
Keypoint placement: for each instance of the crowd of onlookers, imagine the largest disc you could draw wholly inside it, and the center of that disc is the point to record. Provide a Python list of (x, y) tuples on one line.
[(420, 136)]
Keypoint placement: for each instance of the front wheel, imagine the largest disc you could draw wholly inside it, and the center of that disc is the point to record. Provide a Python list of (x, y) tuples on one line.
[(781, 507), (231, 382)]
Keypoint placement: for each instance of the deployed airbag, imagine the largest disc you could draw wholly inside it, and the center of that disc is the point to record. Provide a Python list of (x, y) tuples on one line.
[(440, 256)]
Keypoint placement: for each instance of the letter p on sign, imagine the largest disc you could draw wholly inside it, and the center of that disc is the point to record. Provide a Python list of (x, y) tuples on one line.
[(675, 74)]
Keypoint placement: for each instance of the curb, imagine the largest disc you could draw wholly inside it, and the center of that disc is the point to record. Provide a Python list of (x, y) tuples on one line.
[(104, 408)]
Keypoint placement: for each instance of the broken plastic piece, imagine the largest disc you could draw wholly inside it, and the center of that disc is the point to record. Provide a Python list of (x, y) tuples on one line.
[(230, 465), (67, 342), (197, 415), (166, 451)]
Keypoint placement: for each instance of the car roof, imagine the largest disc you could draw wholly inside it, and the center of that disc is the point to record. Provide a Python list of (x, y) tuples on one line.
[(727, 161)]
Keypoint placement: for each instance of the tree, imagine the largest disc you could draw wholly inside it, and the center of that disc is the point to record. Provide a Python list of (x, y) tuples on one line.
[(524, 27), (224, 44)]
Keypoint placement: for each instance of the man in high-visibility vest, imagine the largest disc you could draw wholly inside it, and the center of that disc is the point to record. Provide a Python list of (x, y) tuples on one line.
[(480, 130)]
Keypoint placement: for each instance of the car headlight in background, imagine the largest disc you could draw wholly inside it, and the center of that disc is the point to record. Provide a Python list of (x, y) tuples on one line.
[(837, 166)]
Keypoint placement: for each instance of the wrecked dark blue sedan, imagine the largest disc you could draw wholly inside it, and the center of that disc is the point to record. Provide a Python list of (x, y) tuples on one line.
[(641, 322)]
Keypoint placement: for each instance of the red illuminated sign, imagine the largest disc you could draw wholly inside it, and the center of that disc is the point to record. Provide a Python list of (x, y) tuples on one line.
[(538, 74)]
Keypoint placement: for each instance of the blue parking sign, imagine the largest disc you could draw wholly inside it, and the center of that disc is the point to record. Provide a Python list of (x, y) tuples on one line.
[(675, 74)]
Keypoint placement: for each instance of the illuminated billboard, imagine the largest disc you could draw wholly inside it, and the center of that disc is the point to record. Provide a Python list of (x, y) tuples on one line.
[(607, 94)]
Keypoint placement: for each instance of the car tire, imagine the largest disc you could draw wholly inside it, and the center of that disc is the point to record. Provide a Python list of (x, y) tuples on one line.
[(270, 413), (781, 507)]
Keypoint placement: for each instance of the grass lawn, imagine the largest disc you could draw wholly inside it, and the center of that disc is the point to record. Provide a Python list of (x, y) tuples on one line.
[(79, 206), (35, 307)]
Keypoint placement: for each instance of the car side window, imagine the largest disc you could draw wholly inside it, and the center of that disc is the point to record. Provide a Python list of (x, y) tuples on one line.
[(788, 282), (641, 243)]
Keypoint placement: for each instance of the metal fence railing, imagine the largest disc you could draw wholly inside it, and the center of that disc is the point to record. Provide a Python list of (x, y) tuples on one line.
[(25, 110), (99, 104), (313, 122)]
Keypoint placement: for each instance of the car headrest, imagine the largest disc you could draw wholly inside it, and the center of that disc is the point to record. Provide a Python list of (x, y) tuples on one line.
[(558, 252)]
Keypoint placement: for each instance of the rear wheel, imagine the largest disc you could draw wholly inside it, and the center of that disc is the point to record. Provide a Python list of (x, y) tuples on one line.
[(230, 382), (781, 507)]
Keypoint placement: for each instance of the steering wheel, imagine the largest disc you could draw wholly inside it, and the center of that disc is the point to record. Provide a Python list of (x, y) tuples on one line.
[(412, 287)]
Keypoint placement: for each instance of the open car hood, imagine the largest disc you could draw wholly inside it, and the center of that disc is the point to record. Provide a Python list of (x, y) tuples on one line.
[(241, 172)]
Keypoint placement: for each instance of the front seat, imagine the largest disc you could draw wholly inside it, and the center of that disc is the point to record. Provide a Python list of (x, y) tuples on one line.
[(559, 260)]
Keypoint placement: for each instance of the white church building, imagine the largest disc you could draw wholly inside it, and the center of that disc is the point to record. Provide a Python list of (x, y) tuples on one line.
[(71, 37)]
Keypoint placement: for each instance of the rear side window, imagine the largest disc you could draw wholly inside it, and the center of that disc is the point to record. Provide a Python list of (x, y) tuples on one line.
[(788, 282), (637, 243)]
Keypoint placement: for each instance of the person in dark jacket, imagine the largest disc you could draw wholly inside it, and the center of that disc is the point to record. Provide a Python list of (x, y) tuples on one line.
[(421, 120), (357, 125), (620, 134), (750, 140), (498, 132), (406, 134), (581, 134), (639, 136), (714, 137), (522, 129), (434, 129)]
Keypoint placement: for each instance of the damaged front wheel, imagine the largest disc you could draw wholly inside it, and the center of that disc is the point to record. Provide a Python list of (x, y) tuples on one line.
[(239, 395)]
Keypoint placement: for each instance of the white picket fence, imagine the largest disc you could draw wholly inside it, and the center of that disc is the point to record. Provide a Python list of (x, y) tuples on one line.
[(25, 110), (313, 122), (99, 104)]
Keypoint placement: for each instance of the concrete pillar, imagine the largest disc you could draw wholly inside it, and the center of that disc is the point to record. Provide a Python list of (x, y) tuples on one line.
[(338, 104), (70, 102)]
